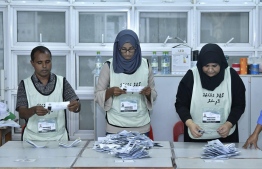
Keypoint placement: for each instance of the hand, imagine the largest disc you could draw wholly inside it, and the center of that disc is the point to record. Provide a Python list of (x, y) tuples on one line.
[(252, 140), (223, 130), (116, 91), (73, 106), (146, 91), (194, 128), (41, 111)]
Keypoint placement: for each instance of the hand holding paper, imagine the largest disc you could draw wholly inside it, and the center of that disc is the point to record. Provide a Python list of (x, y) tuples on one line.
[(54, 106)]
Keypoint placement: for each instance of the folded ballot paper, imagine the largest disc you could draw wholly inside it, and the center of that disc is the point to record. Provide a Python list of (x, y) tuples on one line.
[(216, 150), (34, 144), (65, 145), (73, 144)]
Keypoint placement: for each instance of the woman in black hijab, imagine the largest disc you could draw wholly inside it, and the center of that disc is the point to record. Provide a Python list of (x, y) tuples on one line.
[(211, 98)]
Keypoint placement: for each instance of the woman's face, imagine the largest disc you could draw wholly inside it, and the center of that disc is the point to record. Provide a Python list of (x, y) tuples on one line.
[(211, 69), (127, 51)]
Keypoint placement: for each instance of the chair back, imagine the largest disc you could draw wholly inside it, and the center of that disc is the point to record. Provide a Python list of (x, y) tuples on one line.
[(178, 129), (151, 135)]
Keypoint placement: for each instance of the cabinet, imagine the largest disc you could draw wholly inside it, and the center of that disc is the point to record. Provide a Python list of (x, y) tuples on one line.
[(255, 102), (164, 116)]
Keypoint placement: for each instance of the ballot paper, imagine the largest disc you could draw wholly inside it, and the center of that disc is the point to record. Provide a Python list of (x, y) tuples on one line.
[(73, 144), (216, 150), (134, 89), (55, 106), (34, 144)]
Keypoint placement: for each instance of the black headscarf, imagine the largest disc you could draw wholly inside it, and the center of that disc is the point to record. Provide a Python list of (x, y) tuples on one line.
[(120, 64), (211, 53)]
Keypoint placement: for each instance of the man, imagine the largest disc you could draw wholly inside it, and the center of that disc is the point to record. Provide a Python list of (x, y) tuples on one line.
[(44, 86)]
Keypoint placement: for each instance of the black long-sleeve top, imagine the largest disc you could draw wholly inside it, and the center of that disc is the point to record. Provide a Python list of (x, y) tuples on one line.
[(183, 101)]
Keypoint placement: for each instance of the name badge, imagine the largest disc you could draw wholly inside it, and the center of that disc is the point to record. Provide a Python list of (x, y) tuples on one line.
[(46, 125), (128, 105), (211, 117)]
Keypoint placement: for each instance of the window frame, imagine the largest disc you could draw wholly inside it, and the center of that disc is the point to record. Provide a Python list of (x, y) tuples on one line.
[(102, 9), (205, 9), (38, 9), (163, 9)]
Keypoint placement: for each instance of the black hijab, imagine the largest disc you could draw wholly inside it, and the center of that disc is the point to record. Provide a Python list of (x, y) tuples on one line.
[(120, 64), (211, 53)]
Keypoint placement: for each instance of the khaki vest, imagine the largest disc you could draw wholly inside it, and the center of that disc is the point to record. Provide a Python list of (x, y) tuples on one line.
[(129, 119), (34, 98), (204, 101)]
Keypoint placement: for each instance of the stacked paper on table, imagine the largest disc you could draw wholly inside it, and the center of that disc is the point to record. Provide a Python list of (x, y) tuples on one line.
[(125, 145), (216, 150)]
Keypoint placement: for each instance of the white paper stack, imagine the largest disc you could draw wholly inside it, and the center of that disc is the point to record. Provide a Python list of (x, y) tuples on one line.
[(216, 150)]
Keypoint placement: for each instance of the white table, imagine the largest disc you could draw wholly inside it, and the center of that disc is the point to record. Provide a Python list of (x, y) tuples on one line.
[(187, 156), (194, 150), (187, 163), (19, 154), (112, 162), (47, 162), (23, 149), (161, 157)]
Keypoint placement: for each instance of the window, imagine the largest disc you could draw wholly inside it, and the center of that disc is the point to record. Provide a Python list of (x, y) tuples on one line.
[(154, 27), (40, 26), (100, 27), (86, 66), (25, 69), (86, 115), (220, 27)]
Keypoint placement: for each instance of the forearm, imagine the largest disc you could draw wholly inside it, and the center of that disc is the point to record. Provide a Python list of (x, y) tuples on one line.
[(109, 93), (26, 113), (188, 122), (257, 129)]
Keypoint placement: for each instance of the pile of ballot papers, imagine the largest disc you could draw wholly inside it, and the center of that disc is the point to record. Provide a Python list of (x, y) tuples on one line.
[(125, 145), (216, 150)]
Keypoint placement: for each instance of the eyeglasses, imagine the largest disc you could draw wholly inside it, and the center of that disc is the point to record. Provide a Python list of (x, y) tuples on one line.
[(130, 50)]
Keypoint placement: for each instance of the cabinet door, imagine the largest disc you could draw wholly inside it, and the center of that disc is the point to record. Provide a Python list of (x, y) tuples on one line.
[(99, 118), (164, 115), (220, 27), (260, 25), (244, 121), (40, 26), (25, 69), (85, 62), (1, 50), (155, 27), (100, 27), (255, 105)]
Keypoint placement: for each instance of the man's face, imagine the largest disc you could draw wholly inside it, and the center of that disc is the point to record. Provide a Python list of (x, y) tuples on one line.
[(42, 64)]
